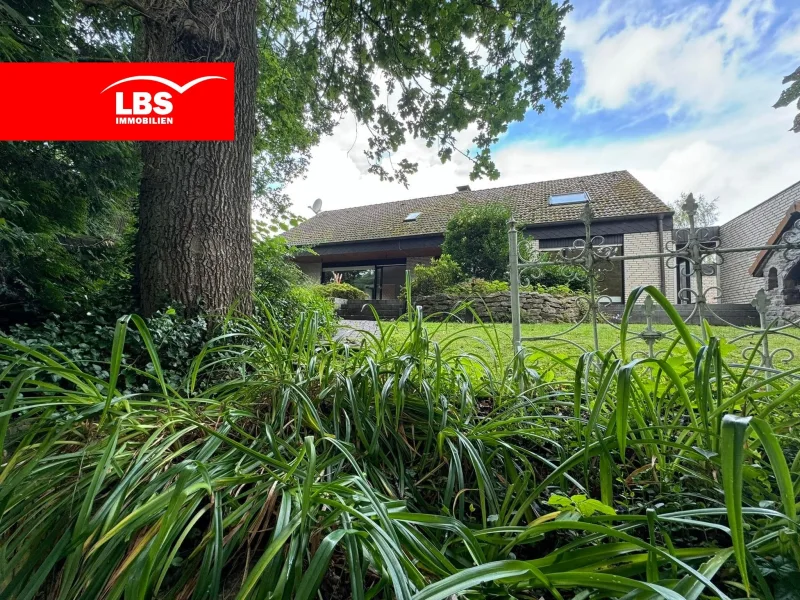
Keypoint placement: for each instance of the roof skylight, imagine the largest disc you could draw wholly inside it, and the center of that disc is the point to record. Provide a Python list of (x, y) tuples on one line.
[(412, 216), (576, 198)]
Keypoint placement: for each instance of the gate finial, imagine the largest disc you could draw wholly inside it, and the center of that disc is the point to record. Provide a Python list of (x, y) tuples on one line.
[(690, 205)]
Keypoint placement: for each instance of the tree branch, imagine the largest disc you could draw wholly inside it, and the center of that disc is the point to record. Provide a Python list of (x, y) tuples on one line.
[(115, 4)]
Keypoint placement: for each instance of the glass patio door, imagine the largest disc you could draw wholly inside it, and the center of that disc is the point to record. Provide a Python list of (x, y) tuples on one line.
[(391, 279)]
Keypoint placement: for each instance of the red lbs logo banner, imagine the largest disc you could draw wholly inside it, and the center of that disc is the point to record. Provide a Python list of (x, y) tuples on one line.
[(116, 101)]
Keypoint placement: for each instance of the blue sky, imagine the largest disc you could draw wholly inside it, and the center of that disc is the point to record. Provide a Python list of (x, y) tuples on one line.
[(647, 102), (678, 92)]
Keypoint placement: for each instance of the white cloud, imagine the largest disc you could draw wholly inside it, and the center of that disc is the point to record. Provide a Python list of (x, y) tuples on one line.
[(789, 39), (339, 175), (739, 148), (745, 20), (742, 163), (742, 160), (688, 55)]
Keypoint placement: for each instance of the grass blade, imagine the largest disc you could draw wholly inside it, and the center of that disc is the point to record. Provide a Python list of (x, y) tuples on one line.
[(734, 431)]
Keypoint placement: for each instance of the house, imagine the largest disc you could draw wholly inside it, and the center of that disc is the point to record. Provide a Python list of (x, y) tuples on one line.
[(779, 270), (739, 279), (373, 246)]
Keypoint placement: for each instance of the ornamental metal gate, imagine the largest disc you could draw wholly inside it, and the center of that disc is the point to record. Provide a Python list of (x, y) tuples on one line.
[(686, 260)]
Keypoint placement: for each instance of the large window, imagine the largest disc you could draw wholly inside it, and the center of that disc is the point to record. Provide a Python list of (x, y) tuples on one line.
[(381, 282), (361, 277), (391, 279), (611, 281)]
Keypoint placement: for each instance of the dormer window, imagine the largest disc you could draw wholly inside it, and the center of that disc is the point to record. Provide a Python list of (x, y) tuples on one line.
[(575, 198), (412, 217)]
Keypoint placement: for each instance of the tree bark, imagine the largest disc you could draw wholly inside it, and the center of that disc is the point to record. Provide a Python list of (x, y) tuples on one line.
[(194, 244)]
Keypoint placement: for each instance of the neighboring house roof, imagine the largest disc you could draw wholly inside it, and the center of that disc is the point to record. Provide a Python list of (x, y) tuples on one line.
[(792, 215), (612, 195)]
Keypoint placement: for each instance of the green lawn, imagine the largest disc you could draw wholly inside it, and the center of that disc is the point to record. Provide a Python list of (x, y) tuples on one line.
[(483, 340)]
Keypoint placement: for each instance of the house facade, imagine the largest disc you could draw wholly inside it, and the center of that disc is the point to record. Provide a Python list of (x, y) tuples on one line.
[(739, 280), (778, 271), (373, 246)]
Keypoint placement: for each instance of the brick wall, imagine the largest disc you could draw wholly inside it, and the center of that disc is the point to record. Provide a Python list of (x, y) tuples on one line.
[(752, 228), (646, 271), (711, 287), (670, 276)]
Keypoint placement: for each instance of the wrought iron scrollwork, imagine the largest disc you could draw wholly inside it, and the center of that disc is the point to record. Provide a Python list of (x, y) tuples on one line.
[(692, 259)]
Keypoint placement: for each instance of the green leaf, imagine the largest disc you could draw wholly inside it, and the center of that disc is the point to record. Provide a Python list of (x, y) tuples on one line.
[(275, 546), (560, 501), (590, 507), (472, 577), (312, 577), (734, 431), (777, 459)]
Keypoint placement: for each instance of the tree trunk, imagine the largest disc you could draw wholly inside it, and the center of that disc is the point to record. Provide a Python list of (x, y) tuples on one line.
[(194, 245)]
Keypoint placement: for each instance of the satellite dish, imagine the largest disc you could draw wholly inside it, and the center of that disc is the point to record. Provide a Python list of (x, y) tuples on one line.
[(317, 206)]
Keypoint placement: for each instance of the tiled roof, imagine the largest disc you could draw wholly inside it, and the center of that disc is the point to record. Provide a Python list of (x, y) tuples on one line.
[(615, 194)]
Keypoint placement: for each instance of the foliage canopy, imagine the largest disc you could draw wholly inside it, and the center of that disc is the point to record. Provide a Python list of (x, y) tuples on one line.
[(421, 69), (791, 95), (65, 207), (344, 290), (477, 239), (707, 214), (436, 277)]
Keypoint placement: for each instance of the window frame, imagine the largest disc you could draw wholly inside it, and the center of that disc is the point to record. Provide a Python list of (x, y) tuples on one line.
[(615, 299), (584, 200)]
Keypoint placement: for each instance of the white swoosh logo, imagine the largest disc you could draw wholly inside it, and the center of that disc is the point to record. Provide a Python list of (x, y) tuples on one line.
[(167, 82)]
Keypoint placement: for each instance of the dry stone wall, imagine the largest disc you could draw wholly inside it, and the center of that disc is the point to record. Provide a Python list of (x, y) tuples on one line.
[(534, 307)]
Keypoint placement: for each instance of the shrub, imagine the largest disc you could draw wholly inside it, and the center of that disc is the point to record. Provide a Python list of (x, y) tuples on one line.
[(553, 290), (477, 239), (273, 270), (45, 273), (311, 300), (86, 342), (553, 275), (481, 287), (287, 307), (477, 287), (280, 285), (65, 211), (435, 278), (345, 291)]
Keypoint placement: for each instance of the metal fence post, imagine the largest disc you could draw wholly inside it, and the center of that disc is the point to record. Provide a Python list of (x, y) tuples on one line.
[(761, 303), (513, 275), (589, 264), (696, 256)]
